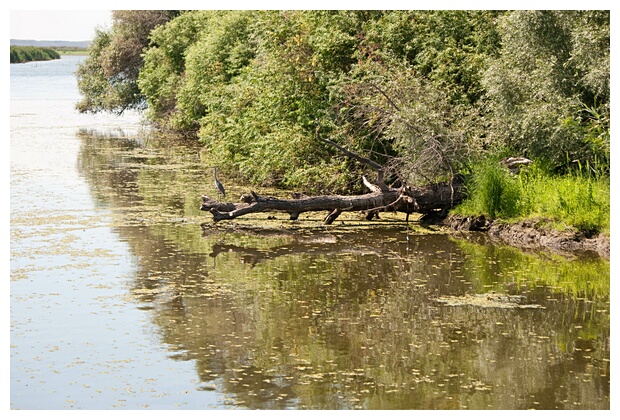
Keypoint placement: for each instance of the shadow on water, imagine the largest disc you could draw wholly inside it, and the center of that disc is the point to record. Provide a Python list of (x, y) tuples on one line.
[(280, 314)]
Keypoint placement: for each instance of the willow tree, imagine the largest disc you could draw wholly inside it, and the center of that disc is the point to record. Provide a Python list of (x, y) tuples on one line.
[(548, 93), (107, 78)]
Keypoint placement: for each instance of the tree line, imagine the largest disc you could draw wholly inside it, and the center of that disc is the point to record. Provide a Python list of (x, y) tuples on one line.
[(425, 93), (25, 54)]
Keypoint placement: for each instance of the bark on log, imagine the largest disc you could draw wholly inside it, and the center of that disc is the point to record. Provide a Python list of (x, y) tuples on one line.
[(408, 200)]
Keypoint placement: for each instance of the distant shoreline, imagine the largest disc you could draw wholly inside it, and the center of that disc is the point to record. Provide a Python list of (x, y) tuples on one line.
[(56, 44), (21, 54), (62, 51)]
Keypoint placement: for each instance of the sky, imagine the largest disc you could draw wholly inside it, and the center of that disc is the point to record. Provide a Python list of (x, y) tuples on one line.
[(69, 23), (58, 25)]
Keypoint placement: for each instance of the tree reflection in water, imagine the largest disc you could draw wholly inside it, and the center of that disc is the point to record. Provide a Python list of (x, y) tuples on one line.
[(296, 315)]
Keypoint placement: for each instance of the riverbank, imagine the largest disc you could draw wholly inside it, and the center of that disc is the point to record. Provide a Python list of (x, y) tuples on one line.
[(71, 51), (531, 234)]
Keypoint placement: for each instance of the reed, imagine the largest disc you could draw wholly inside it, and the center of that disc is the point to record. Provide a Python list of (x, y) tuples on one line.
[(491, 191), (578, 201)]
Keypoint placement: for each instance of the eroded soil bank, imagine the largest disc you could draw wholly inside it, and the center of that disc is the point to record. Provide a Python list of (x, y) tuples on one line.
[(531, 234)]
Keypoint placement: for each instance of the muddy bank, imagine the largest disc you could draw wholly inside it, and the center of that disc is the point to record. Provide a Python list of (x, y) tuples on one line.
[(531, 234)]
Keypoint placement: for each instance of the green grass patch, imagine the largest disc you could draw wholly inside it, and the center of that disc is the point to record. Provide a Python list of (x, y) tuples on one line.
[(578, 201), (491, 191), (71, 51)]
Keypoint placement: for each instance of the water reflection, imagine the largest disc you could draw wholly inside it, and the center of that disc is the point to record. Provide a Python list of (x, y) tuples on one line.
[(297, 315)]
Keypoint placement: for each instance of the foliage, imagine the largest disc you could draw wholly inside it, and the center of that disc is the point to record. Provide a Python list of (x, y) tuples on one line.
[(25, 54), (107, 79), (406, 122), (259, 112), (421, 92), (448, 47), (549, 90), (165, 62), (72, 50)]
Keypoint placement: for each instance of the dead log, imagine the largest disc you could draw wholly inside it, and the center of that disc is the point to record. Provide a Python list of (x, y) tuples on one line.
[(408, 200), (435, 198)]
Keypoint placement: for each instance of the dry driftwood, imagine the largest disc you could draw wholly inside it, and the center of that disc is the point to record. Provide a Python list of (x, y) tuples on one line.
[(408, 200), (424, 200)]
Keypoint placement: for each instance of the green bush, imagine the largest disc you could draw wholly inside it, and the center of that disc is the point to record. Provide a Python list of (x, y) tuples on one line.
[(548, 92), (419, 92)]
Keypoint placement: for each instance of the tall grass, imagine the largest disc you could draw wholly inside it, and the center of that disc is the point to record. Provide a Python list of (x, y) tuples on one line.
[(491, 191), (579, 200)]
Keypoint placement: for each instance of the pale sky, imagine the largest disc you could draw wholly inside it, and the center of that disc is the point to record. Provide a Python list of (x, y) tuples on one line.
[(70, 24), (58, 25)]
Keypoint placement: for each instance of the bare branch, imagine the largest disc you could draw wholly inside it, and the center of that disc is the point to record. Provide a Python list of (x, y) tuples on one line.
[(386, 96), (347, 152)]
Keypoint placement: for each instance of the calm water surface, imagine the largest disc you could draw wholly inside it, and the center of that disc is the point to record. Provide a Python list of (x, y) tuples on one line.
[(124, 295)]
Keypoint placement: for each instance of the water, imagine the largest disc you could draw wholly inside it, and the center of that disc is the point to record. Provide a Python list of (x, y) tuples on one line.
[(124, 295)]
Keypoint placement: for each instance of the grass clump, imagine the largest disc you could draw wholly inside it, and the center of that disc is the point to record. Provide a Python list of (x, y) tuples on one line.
[(491, 191), (578, 200)]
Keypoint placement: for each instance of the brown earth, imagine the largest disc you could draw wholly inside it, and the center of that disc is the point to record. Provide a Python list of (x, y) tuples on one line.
[(532, 234)]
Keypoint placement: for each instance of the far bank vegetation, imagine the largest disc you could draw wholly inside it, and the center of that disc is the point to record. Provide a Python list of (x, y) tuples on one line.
[(26, 54)]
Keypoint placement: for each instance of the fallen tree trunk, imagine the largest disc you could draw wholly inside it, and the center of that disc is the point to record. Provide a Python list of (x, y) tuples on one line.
[(424, 200)]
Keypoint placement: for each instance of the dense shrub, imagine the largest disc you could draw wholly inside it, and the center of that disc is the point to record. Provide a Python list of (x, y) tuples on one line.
[(422, 92), (548, 91)]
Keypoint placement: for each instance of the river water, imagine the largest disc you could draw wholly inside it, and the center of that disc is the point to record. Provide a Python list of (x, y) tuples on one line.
[(125, 296)]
